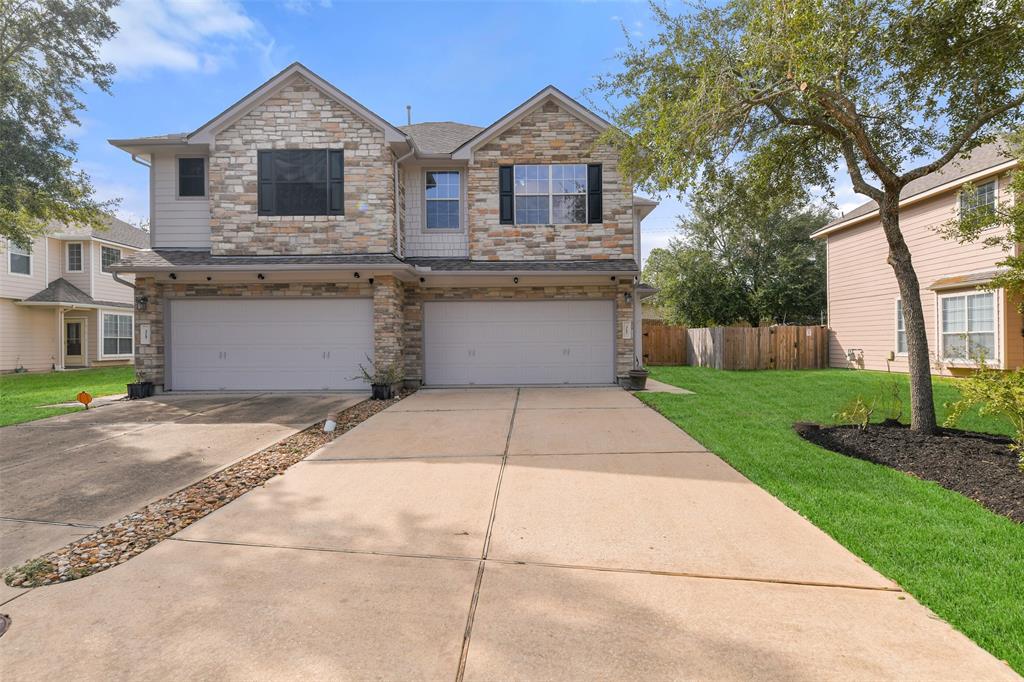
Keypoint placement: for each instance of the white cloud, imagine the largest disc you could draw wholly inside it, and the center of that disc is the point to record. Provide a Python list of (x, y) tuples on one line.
[(178, 35), (304, 6)]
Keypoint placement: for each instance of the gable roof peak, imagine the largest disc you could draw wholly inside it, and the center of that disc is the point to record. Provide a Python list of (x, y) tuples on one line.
[(206, 132)]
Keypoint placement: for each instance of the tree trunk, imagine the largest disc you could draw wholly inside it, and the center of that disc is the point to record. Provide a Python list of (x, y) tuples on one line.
[(922, 404)]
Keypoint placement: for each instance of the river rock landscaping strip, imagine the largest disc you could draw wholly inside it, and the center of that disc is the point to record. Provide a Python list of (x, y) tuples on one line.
[(134, 533), (977, 465)]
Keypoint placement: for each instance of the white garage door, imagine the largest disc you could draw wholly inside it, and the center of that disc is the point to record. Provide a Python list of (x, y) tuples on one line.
[(519, 342), (259, 344)]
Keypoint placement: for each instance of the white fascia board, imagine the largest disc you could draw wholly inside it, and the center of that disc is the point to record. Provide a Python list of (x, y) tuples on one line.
[(206, 132), (465, 151), (927, 194)]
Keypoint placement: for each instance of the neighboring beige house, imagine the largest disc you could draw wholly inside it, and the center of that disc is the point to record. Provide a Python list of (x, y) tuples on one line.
[(60, 305), (962, 317), (298, 232)]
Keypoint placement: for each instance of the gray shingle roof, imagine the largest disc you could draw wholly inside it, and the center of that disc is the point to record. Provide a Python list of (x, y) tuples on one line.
[(169, 259), (116, 231), (985, 156), (972, 279), (465, 265), (441, 137), (62, 291), (189, 258)]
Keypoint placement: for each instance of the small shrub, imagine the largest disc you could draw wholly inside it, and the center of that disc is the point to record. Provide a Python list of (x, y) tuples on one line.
[(379, 375), (995, 393), (857, 413), (891, 399)]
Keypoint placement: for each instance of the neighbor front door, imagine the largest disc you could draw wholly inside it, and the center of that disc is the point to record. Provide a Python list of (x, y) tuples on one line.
[(74, 343)]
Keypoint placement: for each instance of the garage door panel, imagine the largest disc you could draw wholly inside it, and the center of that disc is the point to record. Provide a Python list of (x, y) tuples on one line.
[(269, 344), (518, 342)]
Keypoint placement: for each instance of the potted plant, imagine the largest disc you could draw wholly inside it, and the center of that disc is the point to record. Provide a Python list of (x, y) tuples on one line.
[(637, 376), (141, 388), (382, 378)]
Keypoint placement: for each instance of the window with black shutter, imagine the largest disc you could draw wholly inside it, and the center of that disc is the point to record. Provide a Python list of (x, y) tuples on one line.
[(301, 182)]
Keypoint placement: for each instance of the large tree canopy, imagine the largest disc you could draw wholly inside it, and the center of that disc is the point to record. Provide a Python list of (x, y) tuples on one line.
[(744, 254), (48, 48), (796, 88)]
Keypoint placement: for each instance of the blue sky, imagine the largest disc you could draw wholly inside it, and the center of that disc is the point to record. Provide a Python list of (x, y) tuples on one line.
[(181, 62)]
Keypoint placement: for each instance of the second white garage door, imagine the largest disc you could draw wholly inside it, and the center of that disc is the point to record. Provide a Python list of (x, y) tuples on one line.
[(519, 342), (262, 344)]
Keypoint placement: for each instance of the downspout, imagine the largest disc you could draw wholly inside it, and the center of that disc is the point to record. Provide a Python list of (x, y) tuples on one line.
[(399, 241), (122, 281)]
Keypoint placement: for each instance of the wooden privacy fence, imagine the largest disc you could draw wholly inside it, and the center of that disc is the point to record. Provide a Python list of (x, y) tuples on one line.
[(758, 347), (788, 347), (664, 344)]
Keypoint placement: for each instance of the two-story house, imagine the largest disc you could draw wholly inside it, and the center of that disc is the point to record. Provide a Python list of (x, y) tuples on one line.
[(61, 306), (964, 319), (298, 233)]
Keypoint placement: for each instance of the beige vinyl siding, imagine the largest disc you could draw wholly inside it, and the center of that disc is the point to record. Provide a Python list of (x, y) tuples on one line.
[(420, 242), (21, 286), (176, 222), (54, 259), (83, 279), (105, 288), (28, 337), (862, 288)]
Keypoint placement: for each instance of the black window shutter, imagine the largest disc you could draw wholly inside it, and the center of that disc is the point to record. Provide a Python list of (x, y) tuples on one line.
[(265, 161), (506, 195), (594, 202), (336, 182)]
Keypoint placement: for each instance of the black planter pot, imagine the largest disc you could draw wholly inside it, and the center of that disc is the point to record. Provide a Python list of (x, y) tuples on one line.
[(637, 379), (381, 391), (143, 389)]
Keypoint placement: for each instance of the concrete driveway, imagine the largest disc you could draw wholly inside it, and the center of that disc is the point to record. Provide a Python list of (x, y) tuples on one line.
[(494, 534), (63, 476)]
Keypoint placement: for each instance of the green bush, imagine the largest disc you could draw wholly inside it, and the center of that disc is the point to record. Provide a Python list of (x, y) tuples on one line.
[(996, 394)]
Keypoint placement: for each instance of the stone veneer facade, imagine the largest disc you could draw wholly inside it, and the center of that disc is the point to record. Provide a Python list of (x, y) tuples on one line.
[(300, 116), (548, 134), (397, 313)]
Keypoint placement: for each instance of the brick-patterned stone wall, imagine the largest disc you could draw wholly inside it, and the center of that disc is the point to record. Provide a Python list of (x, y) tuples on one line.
[(150, 359), (388, 312), (416, 296), (300, 116), (548, 134)]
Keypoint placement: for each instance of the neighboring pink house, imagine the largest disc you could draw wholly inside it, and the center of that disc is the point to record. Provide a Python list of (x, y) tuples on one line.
[(962, 316)]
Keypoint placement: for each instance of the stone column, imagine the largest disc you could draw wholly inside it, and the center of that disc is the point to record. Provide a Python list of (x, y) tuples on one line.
[(388, 317), (149, 309)]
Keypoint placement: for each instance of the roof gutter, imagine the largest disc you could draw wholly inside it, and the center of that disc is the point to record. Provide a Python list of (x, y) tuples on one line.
[(398, 228)]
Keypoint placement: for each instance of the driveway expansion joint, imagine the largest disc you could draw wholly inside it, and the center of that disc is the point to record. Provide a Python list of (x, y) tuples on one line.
[(69, 524)]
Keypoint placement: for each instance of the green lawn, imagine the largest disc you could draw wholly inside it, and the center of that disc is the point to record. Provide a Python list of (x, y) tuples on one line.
[(21, 394), (953, 555)]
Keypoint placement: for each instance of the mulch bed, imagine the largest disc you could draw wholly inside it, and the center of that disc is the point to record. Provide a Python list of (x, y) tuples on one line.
[(977, 465), (134, 533)]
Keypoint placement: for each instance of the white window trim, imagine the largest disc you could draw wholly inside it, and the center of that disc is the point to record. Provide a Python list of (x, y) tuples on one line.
[(206, 177), (67, 256), (896, 331), (31, 262), (551, 194), (997, 327), (443, 230), (120, 255), (983, 181), (102, 336)]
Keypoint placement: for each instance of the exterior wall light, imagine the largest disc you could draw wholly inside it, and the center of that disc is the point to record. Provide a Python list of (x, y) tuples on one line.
[(259, 275), (515, 280), (173, 276), (356, 275)]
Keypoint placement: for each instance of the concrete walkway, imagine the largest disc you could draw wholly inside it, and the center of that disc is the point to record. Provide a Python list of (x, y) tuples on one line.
[(494, 534)]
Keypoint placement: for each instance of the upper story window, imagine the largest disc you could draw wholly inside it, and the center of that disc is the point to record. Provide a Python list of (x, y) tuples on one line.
[(442, 199), (74, 257), (901, 329), (109, 256), (19, 260), (983, 198), (192, 177), (967, 325), (302, 182), (556, 194)]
